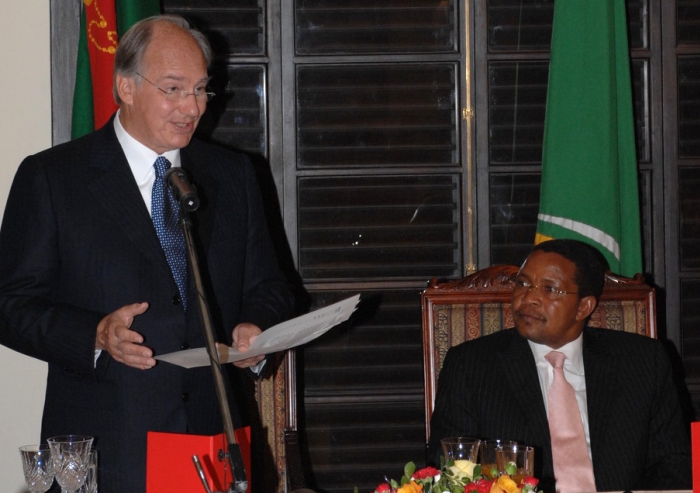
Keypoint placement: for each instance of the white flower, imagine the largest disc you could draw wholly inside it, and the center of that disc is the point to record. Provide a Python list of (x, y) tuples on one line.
[(463, 469)]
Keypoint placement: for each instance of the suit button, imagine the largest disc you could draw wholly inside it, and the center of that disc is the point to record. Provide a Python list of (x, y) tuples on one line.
[(185, 346), (185, 397), (176, 299)]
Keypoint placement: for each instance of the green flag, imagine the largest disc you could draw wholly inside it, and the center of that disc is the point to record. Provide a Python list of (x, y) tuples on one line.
[(589, 186), (129, 12), (83, 120)]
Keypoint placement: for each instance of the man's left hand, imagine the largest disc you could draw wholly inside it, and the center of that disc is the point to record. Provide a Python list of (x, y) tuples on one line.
[(243, 336)]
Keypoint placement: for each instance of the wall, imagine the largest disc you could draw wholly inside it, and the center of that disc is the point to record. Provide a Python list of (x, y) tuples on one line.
[(25, 128)]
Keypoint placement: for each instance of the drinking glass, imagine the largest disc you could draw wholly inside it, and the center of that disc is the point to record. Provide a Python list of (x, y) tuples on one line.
[(517, 461), (90, 485), (460, 448), (37, 466), (70, 454), (487, 457)]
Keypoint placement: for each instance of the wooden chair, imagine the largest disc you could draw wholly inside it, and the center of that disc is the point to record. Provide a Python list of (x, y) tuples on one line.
[(279, 464), (479, 304)]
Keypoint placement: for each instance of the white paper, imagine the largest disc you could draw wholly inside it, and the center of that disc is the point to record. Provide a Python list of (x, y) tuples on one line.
[(286, 335)]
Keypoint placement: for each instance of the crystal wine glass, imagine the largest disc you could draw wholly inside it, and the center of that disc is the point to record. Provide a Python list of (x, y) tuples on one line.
[(70, 454), (37, 466), (90, 485)]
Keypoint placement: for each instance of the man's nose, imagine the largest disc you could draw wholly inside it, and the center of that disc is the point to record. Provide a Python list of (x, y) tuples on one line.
[(532, 294), (192, 105)]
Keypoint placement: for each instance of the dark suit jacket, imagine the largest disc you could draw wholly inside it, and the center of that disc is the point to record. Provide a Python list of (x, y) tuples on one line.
[(77, 243), (489, 388)]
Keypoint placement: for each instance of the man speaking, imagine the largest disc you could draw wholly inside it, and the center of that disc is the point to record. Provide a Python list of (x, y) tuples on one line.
[(93, 276)]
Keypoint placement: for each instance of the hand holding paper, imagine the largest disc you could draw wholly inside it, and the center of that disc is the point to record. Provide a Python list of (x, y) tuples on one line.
[(243, 336), (283, 336)]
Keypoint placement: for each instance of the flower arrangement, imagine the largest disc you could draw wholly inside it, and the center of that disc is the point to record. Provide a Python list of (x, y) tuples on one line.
[(458, 476)]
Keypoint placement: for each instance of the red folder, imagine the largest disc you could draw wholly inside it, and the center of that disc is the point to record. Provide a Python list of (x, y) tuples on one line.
[(169, 465), (695, 432)]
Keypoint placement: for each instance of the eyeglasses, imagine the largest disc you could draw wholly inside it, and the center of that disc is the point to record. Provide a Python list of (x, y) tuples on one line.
[(177, 94), (523, 286)]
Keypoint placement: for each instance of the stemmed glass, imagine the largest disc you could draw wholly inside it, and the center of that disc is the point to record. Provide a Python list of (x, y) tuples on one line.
[(71, 459), (90, 485), (38, 467)]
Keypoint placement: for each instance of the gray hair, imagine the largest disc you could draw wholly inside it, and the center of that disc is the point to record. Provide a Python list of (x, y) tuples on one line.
[(130, 50)]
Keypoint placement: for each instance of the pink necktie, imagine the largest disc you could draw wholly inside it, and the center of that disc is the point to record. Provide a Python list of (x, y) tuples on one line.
[(573, 470)]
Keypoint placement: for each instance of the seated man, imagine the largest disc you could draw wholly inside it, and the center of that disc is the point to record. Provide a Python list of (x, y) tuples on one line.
[(502, 385)]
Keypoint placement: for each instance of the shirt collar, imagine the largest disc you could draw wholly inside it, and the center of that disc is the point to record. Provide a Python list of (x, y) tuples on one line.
[(140, 157), (573, 351)]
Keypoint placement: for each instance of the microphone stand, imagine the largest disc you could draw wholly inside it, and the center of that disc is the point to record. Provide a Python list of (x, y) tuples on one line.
[(239, 482)]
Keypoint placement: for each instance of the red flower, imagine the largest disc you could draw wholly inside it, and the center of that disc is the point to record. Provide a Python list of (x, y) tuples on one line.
[(426, 472), (530, 480), (479, 486), (383, 488)]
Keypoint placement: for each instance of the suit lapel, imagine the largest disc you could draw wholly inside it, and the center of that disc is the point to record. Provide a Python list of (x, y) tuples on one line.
[(113, 186), (601, 387), (519, 364), (197, 170)]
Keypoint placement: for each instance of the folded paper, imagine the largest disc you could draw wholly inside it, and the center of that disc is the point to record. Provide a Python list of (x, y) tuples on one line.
[(286, 335)]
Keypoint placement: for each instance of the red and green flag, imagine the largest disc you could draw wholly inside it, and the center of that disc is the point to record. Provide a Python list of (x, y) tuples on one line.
[(102, 22), (589, 186)]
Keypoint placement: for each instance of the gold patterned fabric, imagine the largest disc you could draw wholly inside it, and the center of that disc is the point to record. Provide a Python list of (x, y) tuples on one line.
[(456, 323), (271, 402), (628, 316)]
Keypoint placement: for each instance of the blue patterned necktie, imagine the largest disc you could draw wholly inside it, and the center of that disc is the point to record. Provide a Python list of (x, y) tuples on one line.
[(165, 211)]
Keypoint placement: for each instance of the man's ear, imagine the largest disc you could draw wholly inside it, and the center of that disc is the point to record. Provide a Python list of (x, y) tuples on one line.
[(586, 306), (125, 88)]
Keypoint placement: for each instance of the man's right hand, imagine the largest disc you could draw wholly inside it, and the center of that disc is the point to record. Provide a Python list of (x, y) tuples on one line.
[(115, 337)]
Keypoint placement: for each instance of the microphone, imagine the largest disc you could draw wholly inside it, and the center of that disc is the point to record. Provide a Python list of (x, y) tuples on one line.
[(184, 192)]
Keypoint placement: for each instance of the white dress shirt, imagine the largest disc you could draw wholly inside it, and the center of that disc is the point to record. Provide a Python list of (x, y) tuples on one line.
[(141, 160), (573, 372)]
